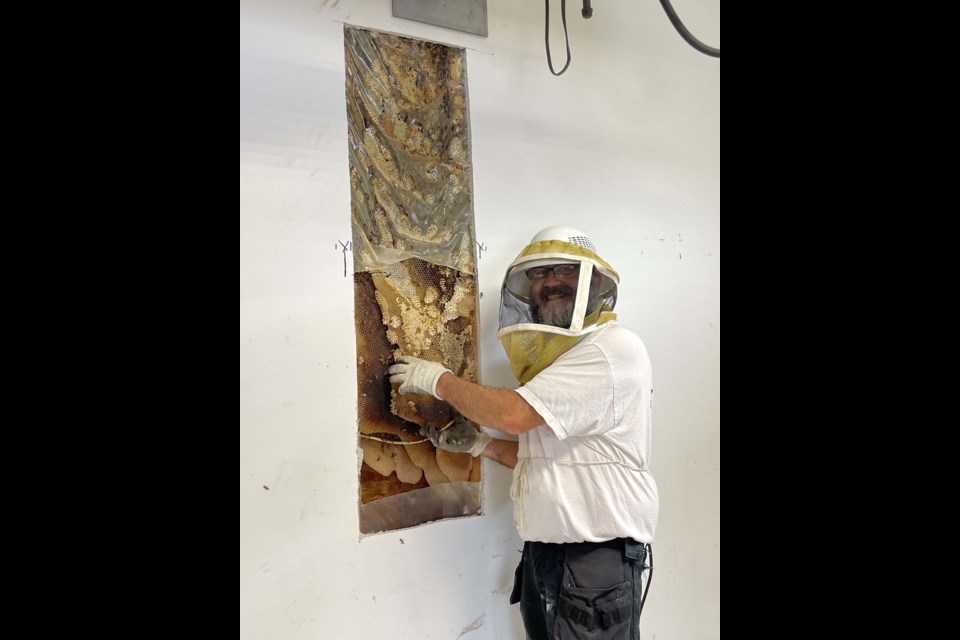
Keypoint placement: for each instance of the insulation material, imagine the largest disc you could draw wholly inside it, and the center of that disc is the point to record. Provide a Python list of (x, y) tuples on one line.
[(414, 268)]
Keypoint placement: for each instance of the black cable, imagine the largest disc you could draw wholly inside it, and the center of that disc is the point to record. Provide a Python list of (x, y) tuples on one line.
[(685, 33), (587, 12), (563, 13), (646, 591)]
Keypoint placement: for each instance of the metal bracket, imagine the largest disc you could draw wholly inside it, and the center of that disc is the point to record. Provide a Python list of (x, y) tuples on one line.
[(469, 16)]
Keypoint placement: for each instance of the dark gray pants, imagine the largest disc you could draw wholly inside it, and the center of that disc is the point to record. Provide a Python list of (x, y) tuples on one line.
[(582, 591)]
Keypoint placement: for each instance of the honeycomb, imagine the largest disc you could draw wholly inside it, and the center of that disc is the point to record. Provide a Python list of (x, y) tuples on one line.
[(419, 309), (414, 253)]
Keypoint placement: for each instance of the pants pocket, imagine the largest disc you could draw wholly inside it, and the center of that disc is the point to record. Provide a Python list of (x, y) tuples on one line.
[(596, 598)]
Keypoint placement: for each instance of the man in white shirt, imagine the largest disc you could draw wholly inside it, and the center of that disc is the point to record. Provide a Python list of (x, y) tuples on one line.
[(584, 499)]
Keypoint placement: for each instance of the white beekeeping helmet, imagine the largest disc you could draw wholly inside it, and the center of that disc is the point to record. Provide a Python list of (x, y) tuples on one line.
[(567, 234), (577, 293)]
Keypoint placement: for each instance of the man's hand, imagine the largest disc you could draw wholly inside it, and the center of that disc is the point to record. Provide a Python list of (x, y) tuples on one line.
[(460, 437), (417, 376)]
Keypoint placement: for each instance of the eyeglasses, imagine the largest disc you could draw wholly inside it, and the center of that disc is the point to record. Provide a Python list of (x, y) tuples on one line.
[(559, 270)]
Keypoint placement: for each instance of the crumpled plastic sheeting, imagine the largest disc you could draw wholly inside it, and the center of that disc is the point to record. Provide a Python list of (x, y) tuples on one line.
[(410, 172), (449, 500)]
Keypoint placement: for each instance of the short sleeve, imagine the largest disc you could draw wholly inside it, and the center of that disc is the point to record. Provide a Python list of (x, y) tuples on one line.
[(574, 395)]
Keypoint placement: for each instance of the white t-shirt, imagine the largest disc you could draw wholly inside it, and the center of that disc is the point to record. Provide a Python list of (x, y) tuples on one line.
[(583, 476)]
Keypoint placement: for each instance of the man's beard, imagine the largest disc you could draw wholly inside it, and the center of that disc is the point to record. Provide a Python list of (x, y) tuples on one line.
[(561, 316)]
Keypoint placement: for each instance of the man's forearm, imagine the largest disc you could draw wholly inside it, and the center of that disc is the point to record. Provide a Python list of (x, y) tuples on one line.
[(502, 451), (489, 406)]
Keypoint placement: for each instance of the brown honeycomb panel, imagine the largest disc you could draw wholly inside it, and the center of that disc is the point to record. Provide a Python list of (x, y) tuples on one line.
[(456, 466), (407, 472), (375, 357), (425, 456), (379, 456)]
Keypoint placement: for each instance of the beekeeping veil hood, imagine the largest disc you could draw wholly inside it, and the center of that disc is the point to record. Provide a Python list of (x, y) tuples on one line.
[(537, 329)]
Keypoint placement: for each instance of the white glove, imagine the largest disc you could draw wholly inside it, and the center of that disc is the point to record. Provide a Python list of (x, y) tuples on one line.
[(460, 437), (417, 376)]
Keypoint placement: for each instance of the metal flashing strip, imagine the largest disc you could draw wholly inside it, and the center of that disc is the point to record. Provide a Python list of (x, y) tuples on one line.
[(469, 16)]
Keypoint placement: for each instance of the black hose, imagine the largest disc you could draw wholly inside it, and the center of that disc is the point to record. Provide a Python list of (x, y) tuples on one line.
[(587, 12), (685, 33)]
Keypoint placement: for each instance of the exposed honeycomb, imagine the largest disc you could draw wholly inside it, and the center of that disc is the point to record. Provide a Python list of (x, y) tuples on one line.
[(414, 250), (419, 309)]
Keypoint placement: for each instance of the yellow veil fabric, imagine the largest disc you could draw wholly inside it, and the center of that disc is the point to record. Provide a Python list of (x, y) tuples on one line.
[(532, 347), (531, 351)]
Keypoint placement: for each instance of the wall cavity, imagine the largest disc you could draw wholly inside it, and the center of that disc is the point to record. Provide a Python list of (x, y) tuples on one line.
[(414, 269)]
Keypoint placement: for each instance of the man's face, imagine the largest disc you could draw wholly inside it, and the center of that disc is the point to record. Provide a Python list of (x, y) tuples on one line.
[(553, 294)]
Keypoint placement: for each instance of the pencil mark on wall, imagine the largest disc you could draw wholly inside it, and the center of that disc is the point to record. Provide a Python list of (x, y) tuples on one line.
[(344, 248), (481, 248)]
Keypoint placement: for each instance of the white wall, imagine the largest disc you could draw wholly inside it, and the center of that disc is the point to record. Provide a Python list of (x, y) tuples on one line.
[(626, 145)]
